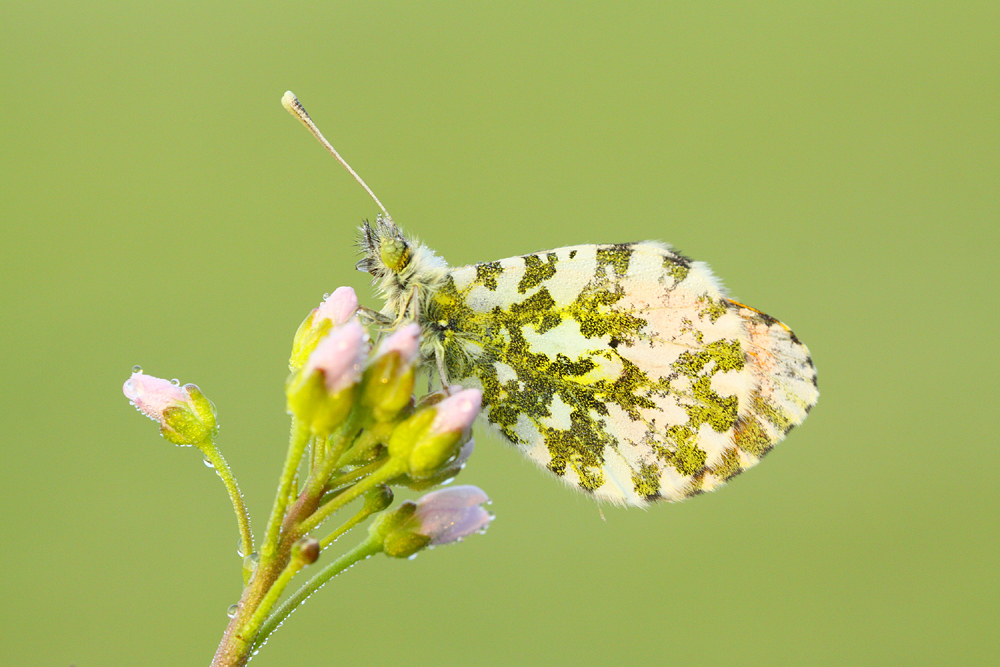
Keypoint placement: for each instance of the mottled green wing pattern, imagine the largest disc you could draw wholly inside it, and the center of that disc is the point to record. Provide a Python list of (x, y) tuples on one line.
[(622, 369)]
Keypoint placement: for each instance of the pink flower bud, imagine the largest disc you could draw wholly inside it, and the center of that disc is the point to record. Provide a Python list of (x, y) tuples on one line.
[(151, 395), (451, 514), (457, 412), (340, 356), (405, 340), (338, 307), (185, 415)]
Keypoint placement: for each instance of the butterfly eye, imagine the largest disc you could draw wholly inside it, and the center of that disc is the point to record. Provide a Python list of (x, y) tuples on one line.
[(395, 253)]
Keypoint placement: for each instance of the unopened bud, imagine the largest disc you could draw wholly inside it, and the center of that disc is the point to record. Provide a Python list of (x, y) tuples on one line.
[(336, 309), (440, 517), (441, 442), (378, 499), (442, 475), (340, 356), (306, 550), (185, 415), (389, 378), (322, 392)]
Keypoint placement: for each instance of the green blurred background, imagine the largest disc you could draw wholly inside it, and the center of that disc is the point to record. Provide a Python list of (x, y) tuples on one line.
[(836, 163)]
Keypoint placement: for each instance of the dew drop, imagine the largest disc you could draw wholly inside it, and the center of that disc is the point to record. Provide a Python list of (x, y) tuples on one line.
[(412, 557), (175, 382), (137, 368), (208, 462), (239, 549), (250, 562), (233, 608)]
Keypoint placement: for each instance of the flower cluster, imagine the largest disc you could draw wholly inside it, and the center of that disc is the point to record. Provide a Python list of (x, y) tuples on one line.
[(357, 430)]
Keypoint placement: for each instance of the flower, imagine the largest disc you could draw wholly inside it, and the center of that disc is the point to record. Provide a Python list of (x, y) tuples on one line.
[(405, 340), (337, 309), (322, 393), (444, 474), (439, 517), (431, 437), (449, 515), (391, 375), (456, 413), (339, 357), (185, 416)]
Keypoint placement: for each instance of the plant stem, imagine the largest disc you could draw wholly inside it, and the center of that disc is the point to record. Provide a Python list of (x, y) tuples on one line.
[(296, 446), (272, 595), (391, 469), (362, 514), (242, 516), (354, 475), (366, 549)]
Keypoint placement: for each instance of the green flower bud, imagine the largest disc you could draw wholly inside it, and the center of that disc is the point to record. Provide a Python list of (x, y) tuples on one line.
[(335, 310), (406, 434), (389, 378), (378, 499), (403, 544), (441, 442), (322, 393), (443, 474), (440, 517), (306, 550), (384, 524)]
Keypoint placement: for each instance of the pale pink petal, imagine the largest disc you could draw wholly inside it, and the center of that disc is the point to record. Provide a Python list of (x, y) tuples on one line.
[(340, 356), (457, 412), (450, 514), (338, 307), (405, 340), (152, 395)]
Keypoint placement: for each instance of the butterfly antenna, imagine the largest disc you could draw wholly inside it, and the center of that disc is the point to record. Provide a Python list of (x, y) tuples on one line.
[(290, 102)]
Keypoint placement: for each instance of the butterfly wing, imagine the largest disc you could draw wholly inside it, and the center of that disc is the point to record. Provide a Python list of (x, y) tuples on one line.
[(623, 369)]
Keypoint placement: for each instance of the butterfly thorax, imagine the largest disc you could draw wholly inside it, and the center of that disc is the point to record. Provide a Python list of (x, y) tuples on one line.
[(408, 275)]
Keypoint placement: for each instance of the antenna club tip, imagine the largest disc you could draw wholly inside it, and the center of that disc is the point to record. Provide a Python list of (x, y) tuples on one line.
[(290, 102)]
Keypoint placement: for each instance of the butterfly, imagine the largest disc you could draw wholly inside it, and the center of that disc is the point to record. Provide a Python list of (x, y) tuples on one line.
[(623, 369)]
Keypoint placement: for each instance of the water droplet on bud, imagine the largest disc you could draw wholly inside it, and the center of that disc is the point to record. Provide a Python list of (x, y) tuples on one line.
[(175, 382), (137, 368)]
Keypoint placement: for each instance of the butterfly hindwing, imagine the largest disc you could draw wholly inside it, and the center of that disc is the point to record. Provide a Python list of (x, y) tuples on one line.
[(623, 369)]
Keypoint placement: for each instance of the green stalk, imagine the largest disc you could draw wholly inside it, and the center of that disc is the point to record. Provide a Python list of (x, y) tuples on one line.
[(366, 549), (298, 439), (226, 474), (272, 595), (353, 476), (391, 469)]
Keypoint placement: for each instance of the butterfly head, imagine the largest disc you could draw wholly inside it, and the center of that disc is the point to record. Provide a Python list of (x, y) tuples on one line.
[(402, 268), (386, 250)]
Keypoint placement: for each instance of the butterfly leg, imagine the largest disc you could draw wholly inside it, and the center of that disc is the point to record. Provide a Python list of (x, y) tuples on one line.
[(369, 316), (442, 374)]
